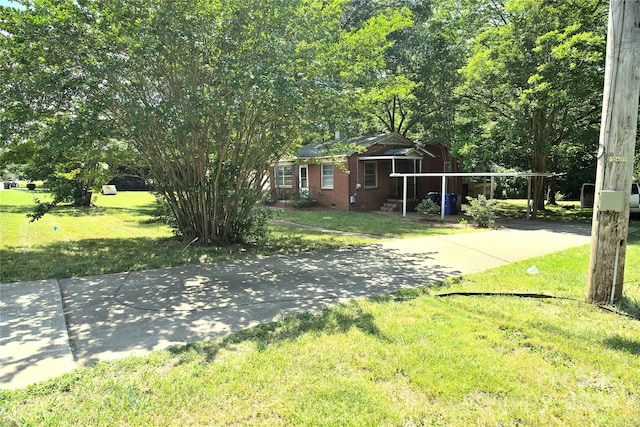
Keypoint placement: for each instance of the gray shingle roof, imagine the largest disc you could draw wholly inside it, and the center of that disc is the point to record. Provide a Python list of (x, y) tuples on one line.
[(341, 147)]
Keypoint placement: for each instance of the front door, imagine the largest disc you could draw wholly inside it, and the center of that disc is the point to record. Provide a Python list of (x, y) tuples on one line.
[(303, 181), (397, 188)]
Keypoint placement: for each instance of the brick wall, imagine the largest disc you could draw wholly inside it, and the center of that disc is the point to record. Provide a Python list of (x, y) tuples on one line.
[(366, 199), (336, 197)]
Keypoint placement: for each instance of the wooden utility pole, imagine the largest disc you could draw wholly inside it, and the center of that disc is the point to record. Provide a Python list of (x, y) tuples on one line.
[(616, 153)]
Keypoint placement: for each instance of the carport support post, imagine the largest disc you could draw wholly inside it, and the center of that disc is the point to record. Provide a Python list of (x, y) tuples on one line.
[(616, 151), (442, 195), (528, 197), (404, 196)]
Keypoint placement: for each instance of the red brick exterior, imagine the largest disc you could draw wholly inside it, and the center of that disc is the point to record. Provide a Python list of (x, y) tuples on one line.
[(349, 180)]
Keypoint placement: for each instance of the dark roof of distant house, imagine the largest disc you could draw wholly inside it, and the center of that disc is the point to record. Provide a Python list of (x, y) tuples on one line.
[(399, 151), (343, 147)]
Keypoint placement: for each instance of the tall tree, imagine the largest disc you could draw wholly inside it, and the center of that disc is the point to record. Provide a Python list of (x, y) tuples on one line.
[(536, 76), (388, 104), (46, 119), (210, 93)]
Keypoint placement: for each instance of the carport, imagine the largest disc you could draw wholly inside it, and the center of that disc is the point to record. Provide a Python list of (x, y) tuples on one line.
[(445, 175)]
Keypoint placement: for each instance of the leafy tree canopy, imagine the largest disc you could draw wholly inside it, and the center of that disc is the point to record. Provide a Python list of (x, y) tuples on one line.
[(533, 85), (209, 93)]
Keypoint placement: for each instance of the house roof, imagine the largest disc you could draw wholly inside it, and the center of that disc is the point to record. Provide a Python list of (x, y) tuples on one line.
[(347, 147), (408, 152)]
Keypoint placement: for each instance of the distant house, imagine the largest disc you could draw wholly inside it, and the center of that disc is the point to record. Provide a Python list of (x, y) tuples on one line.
[(353, 174)]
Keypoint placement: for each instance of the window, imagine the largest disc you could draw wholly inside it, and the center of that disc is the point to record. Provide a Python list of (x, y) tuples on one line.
[(284, 176), (371, 175), (327, 175)]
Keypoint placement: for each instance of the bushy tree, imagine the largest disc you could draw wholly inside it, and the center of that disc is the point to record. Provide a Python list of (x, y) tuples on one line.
[(482, 211), (535, 81), (210, 93), (48, 121)]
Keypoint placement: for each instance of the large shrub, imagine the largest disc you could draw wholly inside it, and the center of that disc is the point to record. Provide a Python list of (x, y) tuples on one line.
[(428, 208), (481, 211)]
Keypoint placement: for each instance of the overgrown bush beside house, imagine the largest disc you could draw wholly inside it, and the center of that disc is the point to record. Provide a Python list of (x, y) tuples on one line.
[(481, 211), (300, 199), (428, 209)]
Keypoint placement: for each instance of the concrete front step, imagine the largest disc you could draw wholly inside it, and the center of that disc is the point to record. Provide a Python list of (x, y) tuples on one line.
[(389, 207)]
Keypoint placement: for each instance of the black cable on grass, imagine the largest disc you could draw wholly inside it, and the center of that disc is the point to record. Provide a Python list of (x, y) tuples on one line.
[(535, 296), (503, 294)]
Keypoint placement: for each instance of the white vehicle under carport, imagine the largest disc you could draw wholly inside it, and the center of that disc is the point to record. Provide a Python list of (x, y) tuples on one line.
[(588, 191)]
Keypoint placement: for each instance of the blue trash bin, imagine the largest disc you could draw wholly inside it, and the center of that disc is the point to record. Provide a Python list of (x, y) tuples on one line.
[(450, 204)]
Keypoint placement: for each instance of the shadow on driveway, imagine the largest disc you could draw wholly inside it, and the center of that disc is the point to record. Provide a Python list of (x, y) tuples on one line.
[(133, 313)]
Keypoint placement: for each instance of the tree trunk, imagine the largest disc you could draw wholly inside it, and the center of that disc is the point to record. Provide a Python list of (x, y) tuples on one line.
[(552, 188), (540, 165)]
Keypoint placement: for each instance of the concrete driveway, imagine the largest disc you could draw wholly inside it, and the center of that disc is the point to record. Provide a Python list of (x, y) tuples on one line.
[(51, 327)]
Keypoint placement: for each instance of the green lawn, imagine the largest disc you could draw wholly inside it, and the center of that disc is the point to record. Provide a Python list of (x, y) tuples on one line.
[(121, 234), (563, 211), (368, 223), (407, 360), (416, 359)]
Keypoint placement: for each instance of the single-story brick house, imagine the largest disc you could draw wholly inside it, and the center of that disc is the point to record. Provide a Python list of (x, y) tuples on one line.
[(353, 174)]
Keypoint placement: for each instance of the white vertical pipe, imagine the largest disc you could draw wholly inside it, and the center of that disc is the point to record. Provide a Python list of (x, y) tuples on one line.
[(404, 196), (442, 195), (528, 197)]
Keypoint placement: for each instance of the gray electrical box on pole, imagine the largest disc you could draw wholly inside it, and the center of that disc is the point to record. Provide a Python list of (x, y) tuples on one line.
[(616, 153)]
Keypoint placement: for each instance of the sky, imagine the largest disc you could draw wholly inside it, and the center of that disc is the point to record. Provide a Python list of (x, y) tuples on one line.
[(8, 3)]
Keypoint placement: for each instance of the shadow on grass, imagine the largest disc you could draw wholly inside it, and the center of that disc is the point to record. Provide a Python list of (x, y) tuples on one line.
[(561, 212), (67, 210), (630, 306), (20, 209), (80, 211), (90, 257), (623, 344), (338, 319)]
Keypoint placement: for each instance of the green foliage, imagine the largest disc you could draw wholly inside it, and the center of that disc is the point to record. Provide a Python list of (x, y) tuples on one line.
[(300, 198), (254, 228), (532, 87), (509, 187), (40, 209), (481, 210), (428, 208), (53, 122), (210, 94)]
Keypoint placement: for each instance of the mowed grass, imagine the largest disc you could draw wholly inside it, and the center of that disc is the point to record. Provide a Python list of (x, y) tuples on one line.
[(562, 211), (414, 359), (119, 234), (373, 223), (410, 359)]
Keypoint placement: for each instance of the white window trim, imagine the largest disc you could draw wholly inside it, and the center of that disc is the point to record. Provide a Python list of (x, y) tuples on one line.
[(322, 183), (275, 176)]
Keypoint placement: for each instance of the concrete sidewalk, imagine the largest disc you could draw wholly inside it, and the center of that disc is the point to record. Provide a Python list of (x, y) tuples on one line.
[(34, 344), (117, 315)]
